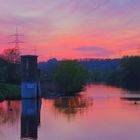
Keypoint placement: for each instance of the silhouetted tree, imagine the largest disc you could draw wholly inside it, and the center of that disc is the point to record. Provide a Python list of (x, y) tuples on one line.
[(96, 75), (131, 72), (11, 55), (11, 66), (70, 76)]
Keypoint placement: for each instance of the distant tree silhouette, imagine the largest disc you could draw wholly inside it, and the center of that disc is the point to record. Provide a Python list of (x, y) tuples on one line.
[(131, 72), (95, 75), (113, 77)]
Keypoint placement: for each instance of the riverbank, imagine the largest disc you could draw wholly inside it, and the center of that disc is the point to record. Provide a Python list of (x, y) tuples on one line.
[(10, 92)]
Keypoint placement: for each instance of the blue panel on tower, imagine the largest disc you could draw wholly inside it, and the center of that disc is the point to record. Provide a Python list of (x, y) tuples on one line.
[(29, 90)]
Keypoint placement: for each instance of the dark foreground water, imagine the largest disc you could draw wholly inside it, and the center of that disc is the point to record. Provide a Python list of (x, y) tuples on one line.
[(99, 113)]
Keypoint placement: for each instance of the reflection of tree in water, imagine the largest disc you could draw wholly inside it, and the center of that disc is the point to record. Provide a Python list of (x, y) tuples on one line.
[(71, 106), (9, 111)]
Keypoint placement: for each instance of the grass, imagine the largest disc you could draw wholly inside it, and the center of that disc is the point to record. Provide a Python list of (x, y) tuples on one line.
[(9, 91)]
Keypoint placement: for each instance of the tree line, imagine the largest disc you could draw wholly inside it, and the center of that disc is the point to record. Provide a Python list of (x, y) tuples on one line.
[(71, 75), (126, 74)]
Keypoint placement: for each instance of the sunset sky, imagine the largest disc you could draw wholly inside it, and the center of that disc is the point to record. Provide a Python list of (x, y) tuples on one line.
[(72, 28)]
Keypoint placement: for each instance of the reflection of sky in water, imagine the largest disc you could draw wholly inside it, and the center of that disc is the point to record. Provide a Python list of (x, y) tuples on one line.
[(98, 113)]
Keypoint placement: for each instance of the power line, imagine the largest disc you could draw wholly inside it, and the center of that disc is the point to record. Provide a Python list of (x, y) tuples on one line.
[(17, 40)]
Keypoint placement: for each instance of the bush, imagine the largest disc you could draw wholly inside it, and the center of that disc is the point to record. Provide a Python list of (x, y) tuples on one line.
[(131, 72), (70, 76)]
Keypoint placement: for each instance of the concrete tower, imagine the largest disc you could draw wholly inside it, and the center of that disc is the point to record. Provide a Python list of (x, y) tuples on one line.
[(30, 80)]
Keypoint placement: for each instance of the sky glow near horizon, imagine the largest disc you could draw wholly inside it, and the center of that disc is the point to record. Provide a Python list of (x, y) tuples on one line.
[(72, 28)]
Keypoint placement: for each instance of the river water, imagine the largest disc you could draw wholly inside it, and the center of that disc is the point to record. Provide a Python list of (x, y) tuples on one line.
[(99, 113)]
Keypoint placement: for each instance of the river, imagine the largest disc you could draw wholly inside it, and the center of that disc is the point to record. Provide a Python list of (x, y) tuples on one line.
[(100, 112)]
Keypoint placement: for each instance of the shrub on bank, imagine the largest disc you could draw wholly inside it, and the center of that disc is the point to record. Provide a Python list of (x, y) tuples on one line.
[(70, 77), (8, 92)]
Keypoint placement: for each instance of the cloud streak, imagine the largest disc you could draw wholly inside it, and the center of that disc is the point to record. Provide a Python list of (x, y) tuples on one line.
[(95, 51), (90, 48)]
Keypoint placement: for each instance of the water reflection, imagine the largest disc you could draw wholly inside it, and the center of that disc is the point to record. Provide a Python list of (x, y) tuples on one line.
[(30, 118), (71, 106), (9, 112), (131, 96), (103, 116)]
